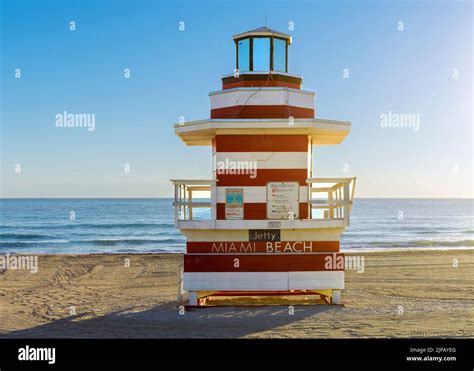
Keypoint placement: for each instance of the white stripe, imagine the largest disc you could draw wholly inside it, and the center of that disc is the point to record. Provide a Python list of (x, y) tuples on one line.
[(257, 194), (255, 281), (261, 160), (219, 224), (326, 234), (240, 235), (262, 97), (316, 280), (202, 281)]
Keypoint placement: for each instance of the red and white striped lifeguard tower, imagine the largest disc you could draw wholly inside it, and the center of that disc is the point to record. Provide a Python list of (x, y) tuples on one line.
[(270, 227)]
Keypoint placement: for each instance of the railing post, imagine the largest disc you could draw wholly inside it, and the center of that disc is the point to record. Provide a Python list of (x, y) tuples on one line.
[(353, 184), (310, 197), (183, 189), (176, 207), (339, 199), (190, 202), (213, 204), (347, 206), (331, 207)]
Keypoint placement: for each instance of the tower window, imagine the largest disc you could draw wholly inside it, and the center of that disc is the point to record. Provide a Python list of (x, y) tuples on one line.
[(279, 55), (261, 54), (243, 55)]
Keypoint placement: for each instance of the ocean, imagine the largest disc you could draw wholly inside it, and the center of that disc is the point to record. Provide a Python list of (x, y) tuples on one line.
[(146, 225)]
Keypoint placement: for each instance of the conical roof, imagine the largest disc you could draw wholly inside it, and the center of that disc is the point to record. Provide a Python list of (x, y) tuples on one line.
[(263, 31)]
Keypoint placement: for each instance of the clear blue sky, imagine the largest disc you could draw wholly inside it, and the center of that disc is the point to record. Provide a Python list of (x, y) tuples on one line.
[(172, 71)]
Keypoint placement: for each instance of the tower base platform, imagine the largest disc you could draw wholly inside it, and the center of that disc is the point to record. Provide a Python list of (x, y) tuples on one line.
[(259, 298)]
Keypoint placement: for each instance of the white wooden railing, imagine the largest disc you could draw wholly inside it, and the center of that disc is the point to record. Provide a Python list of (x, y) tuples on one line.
[(328, 199), (186, 192), (332, 196)]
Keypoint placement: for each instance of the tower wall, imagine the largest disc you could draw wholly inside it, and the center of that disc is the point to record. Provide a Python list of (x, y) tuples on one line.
[(262, 159), (262, 236), (262, 102)]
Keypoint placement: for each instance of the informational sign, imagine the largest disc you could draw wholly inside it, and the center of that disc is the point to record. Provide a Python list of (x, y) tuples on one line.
[(274, 224), (265, 235), (234, 203), (283, 200)]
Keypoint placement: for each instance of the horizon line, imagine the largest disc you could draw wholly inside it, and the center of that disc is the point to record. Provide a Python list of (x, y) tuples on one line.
[(161, 198)]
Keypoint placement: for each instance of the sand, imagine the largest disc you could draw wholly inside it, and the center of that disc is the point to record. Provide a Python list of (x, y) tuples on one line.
[(400, 294)]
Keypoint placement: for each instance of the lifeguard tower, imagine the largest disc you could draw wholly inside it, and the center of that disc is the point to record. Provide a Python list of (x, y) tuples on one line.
[(262, 225)]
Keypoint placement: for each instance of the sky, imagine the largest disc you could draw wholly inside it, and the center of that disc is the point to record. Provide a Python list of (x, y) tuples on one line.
[(363, 59)]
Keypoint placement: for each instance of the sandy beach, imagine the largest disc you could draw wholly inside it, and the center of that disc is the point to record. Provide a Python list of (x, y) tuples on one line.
[(399, 294)]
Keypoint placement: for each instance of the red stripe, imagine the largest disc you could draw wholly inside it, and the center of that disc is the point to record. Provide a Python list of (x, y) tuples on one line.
[(258, 211), (262, 247), (262, 177), (271, 112), (263, 263), (257, 83), (261, 143), (262, 77)]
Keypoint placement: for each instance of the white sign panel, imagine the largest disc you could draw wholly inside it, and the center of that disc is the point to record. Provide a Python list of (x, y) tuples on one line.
[(283, 200)]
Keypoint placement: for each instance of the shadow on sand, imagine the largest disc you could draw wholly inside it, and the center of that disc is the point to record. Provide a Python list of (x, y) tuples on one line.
[(165, 321)]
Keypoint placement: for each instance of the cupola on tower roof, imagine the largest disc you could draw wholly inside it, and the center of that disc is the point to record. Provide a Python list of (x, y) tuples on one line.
[(262, 50), (261, 97)]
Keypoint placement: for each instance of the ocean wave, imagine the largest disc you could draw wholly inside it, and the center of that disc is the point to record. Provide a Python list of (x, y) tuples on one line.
[(55, 225), (126, 225), (31, 243), (131, 241), (421, 243), (147, 251), (427, 232), (467, 243), (25, 236)]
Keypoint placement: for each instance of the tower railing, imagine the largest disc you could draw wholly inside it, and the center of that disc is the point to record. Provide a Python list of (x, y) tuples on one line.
[(331, 198), (191, 194)]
